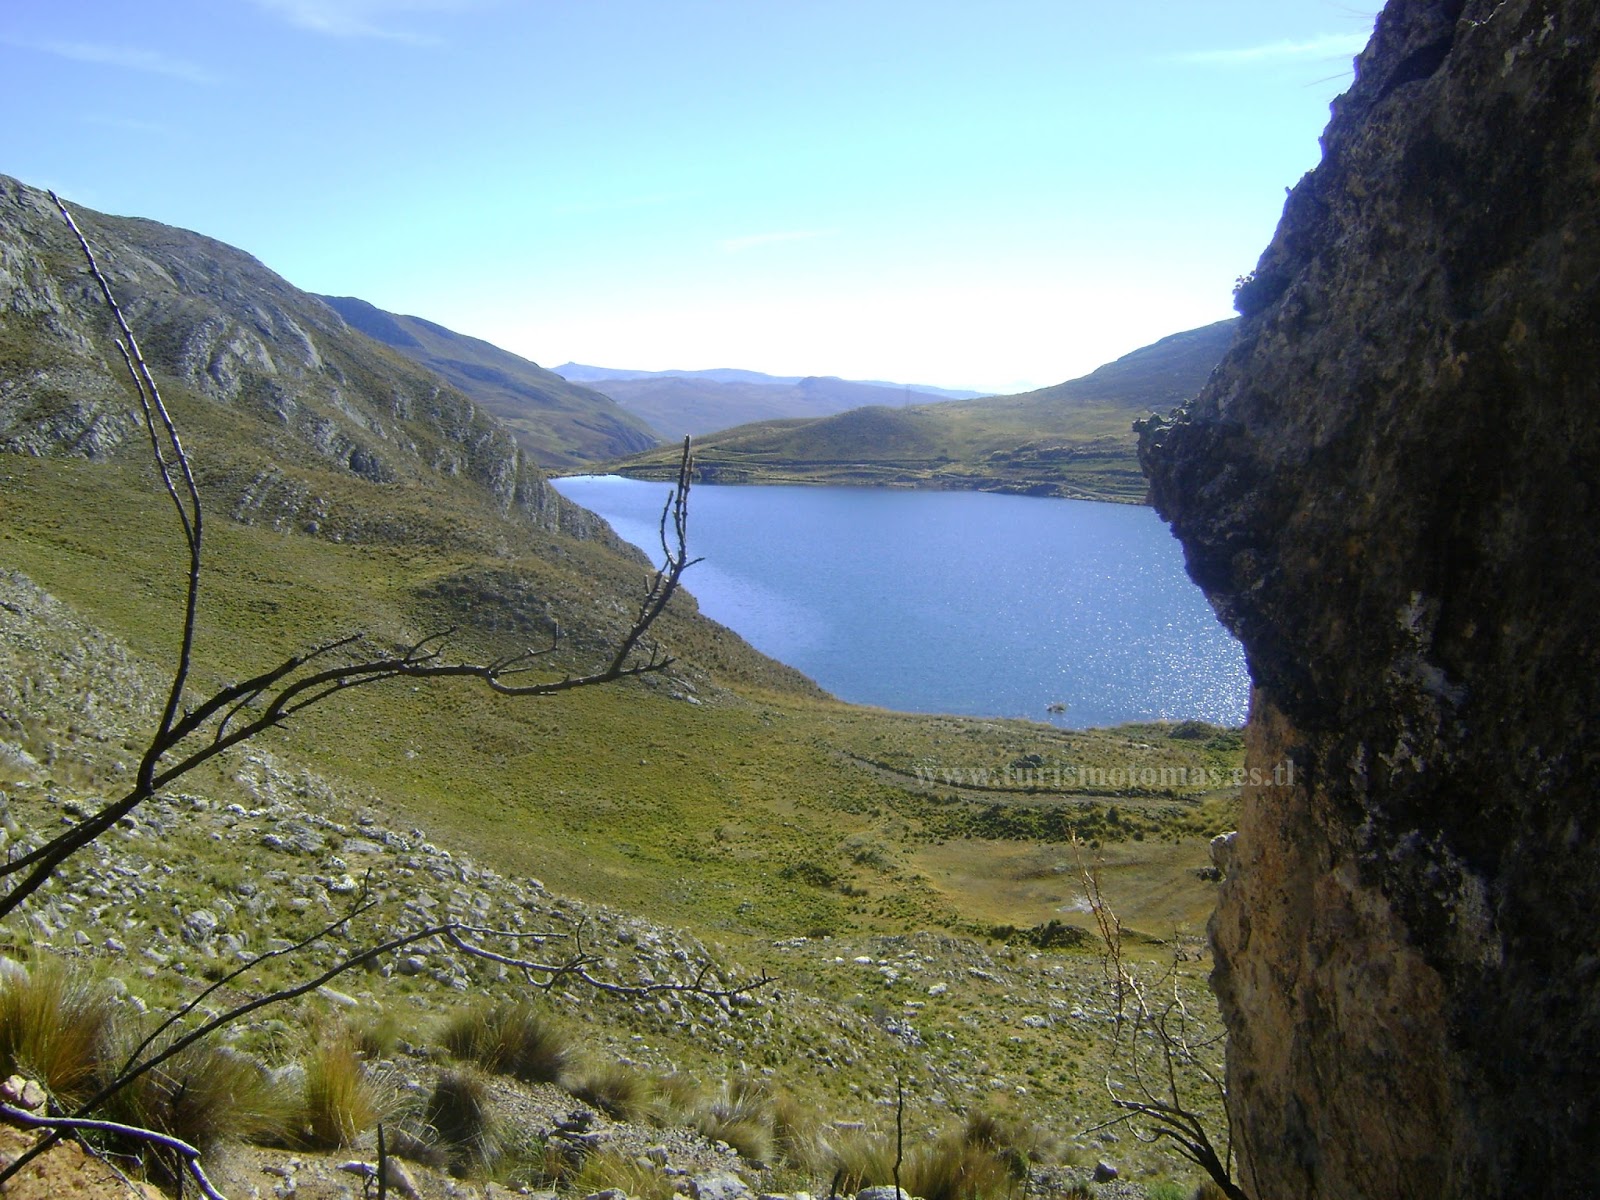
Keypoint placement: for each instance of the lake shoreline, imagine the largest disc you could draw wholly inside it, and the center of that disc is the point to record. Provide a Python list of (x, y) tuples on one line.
[(863, 476), (1065, 612)]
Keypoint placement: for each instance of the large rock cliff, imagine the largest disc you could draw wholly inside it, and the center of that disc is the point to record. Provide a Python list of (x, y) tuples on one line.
[(1390, 490)]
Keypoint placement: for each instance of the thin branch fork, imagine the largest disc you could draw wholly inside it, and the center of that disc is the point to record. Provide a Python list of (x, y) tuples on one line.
[(282, 691), (575, 967), (239, 711), (61, 1125), (1142, 1028), (188, 506)]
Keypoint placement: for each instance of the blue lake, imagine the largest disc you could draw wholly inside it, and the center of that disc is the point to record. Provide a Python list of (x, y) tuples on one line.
[(952, 602)]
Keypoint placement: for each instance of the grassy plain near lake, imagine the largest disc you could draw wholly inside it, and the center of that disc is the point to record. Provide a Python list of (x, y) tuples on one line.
[(789, 832)]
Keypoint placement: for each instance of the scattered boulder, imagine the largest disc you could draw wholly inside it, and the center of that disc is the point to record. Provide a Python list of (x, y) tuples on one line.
[(718, 1185)]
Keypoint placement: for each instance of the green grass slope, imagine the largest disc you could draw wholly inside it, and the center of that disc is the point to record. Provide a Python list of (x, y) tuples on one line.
[(347, 489), (561, 424), (1074, 439)]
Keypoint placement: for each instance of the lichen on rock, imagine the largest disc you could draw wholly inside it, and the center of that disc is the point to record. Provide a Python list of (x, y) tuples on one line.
[(1388, 491)]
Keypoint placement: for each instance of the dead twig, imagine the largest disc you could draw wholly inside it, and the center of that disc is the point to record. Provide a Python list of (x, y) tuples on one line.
[(61, 1125), (187, 736), (1160, 1048)]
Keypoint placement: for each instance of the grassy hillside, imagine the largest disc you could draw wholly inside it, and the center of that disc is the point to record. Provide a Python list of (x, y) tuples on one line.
[(842, 849), (675, 405), (560, 424), (1074, 439)]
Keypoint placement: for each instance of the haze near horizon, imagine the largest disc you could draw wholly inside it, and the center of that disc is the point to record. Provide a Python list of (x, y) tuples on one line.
[(994, 199)]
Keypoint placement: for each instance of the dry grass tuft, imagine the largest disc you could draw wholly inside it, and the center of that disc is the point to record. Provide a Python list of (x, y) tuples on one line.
[(55, 1026), (608, 1169), (376, 1034), (740, 1114), (519, 1040), (206, 1095), (622, 1092), (675, 1100), (342, 1099), (948, 1168), (798, 1134)]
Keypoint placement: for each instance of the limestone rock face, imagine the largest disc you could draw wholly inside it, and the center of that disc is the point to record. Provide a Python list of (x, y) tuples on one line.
[(1389, 491)]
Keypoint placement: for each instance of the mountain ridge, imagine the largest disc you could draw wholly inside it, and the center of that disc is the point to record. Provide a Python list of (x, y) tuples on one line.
[(586, 373), (562, 424), (1074, 439), (678, 403)]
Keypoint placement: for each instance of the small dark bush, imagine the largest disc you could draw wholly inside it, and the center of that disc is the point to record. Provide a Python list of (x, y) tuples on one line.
[(519, 1040), (459, 1116), (622, 1092)]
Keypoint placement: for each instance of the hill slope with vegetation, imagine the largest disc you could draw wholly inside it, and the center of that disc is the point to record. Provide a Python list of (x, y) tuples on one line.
[(560, 424), (689, 403), (1074, 439), (724, 811)]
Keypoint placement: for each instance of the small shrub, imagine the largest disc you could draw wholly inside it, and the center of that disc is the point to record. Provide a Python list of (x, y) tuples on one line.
[(676, 1100), (1210, 1190), (809, 872), (1055, 934), (206, 1095), (622, 1092), (341, 1098), (459, 1115), (608, 1169), (54, 1027), (518, 1040), (1168, 1190), (741, 1115)]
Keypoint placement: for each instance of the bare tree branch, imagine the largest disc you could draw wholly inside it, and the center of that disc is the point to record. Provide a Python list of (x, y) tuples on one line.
[(1158, 1046), (61, 1125), (239, 711), (190, 514)]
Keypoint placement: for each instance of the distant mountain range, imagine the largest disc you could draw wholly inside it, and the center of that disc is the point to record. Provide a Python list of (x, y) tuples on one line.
[(579, 373), (675, 403), (560, 423), (1073, 439)]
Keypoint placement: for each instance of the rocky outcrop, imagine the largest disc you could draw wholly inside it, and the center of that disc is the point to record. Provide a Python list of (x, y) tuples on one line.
[(1388, 490), (218, 326)]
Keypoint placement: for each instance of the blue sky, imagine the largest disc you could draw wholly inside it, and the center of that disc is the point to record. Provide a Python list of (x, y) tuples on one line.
[(999, 195)]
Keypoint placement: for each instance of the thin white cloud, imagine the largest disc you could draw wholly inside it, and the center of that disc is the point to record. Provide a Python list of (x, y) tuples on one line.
[(130, 125), (1326, 45), (737, 245), (362, 18), (131, 58)]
